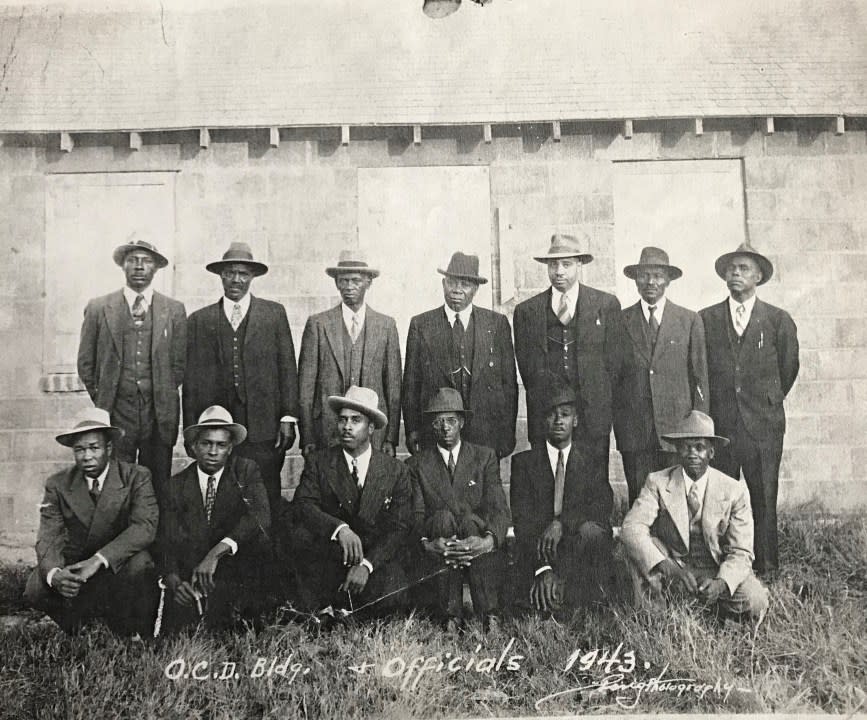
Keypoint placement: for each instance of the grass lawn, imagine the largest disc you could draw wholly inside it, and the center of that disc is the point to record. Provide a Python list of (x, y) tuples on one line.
[(809, 655)]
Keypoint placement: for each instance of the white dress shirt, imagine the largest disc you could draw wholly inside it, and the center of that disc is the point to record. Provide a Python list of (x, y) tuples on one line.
[(348, 314), (444, 454), (229, 306), (571, 299), (748, 310), (657, 313), (203, 488), (464, 314), (553, 453), (362, 462), (130, 295), (701, 486)]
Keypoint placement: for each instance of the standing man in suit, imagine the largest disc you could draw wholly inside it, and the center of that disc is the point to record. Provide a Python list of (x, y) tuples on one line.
[(131, 359), (460, 509), (691, 528), (752, 353), (468, 348), (561, 512), (214, 527), (350, 344), (572, 334), (352, 513), (97, 520), (664, 371), (240, 356)]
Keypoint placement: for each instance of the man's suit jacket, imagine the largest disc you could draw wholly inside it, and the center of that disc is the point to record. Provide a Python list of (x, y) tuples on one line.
[(240, 512), (587, 496), (270, 373), (669, 381), (661, 511), (598, 358), (327, 497), (72, 528), (494, 390), (100, 354), (322, 372), (752, 379), (475, 489)]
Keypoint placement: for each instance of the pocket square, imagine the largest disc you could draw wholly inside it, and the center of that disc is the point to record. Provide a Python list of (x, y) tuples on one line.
[(471, 483), (387, 502)]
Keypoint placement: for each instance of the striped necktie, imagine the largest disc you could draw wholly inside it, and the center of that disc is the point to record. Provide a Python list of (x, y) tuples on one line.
[(740, 322), (564, 315)]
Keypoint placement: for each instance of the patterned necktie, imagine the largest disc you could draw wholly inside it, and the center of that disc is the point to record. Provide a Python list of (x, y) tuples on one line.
[(355, 476), (236, 316), (693, 501), (95, 490), (563, 313), (740, 324), (458, 331), (559, 484), (451, 465), (652, 322), (210, 497), (139, 309), (354, 330)]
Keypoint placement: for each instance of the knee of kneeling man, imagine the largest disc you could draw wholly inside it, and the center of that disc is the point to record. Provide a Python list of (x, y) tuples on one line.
[(36, 589), (757, 602), (138, 564), (594, 534)]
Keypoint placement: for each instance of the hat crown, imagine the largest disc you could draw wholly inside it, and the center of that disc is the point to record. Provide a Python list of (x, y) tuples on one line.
[(239, 251), (463, 264), (362, 396), (559, 396), (215, 415), (446, 399), (561, 243), (91, 417), (696, 424), (653, 256)]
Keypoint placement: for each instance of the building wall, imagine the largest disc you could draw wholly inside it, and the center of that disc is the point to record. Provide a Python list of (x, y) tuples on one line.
[(806, 206)]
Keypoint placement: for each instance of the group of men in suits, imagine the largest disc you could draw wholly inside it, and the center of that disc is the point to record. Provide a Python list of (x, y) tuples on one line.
[(586, 366)]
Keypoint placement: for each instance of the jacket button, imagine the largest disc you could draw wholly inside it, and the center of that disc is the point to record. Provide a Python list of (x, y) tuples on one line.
[(651, 372), (738, 388)]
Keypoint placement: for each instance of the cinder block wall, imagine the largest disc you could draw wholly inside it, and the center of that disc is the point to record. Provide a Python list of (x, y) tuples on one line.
[(297, 205)]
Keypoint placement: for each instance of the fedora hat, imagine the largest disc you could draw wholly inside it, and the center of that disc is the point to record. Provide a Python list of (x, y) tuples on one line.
[(364, 400), (566, 246), (216, 417), (238, 252), (351, 261), (447, 399), (764, 264), (559, 395), (135, 243), (653, 257), (465, 267), (695, 424), (88, 420)]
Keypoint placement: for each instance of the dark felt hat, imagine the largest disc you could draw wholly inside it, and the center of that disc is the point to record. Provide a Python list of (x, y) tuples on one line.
[(465, 267), (447, 399), (764, 264), (134, 243), (351, 261), (238, 252), (656, 258)]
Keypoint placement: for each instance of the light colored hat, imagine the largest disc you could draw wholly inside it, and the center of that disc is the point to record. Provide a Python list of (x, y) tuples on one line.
[(653, 257), (566, 246), (216, 417), (447, 399), (465, 267), (364, 400), (765, 265), (695, 424), (351, 261), (88, 420), (238, 252), (134, 243)]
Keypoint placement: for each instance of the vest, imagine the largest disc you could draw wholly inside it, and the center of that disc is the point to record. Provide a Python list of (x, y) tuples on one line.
[(462, 359), (562, 346), (232, 342), (699, 554), (353, 355), (134, 404)]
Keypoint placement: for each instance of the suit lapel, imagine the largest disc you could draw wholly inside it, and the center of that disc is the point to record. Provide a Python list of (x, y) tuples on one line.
[(376, 486), (111, 499), (341, 481), (193, 501), (636, 327), (374, 337), (674, 497), (334, 335), (666, 328), (78, 497), (712, 507), (544, 481), (483, 342), (159, 330), (588, 314), (440, 341), (116, 311)]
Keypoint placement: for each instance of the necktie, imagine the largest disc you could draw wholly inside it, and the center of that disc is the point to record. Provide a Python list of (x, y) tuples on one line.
[(559, 484), (563, 313), (740, 324), (355, 475), (693, 501), (210, 497), (458, 331), (95, 490), (236, 316), (139, 309), (354, 330), (652, 322), (451, 464)]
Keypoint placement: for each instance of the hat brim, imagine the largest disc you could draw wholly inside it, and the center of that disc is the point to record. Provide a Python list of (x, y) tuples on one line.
[(238, 431), (674, 437), (583, 258), (67, 439), (256, 268), (338, 402), (122, 251), (466, 413), (673, 271), (764, 264), (473, 278), (335, 271)]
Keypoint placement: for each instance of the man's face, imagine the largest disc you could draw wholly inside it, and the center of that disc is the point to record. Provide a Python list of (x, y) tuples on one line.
[(563, 273), (559, 423), (742, 275), (92, 451), (459, 292), (447, 428), (651, 284), (236, 279), (354, 430), (695, 455), (139, 267), (352, 288), (212, 449)]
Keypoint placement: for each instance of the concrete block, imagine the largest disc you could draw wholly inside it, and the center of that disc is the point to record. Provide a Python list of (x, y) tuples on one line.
[(766, 173), (581, 178), (810, 464), (841, 429), (850, 332), (22, 413), (642, 146), (519, 179), (38, 445), (816, 333), (794, 269), (599, 209), (682, 142), (850, 267), (801, 428), (568, 210), (761, 205), (819, 397), (842, 363)]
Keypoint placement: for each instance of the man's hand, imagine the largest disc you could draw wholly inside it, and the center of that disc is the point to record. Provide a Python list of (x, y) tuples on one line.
[(308, 450), (356, 579), (388, 448), (66, 582), (183, 592), (285, 437), (546, 547), (438, 546), (412, 442), (545, 595), (350, 544), (203, 573), (86, 569), (463, 552), (677, 576), (711, 589)]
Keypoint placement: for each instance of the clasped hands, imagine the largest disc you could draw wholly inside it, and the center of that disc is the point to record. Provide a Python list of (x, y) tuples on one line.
[(68, 581), (459, 553), (708, 590)]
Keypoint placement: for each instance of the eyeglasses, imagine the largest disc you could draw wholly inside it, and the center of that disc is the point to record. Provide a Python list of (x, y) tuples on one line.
[(446, 422)]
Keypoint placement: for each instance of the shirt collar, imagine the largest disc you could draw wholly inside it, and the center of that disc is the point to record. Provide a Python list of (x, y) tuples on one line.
[(100, 480), (130, 295), (553, 452), (701, 483), (465, 315), (748, 304), (455, 451), (348, 314), (203, 476), (362, 461), (571, 296), (659, 305), (229, 305)]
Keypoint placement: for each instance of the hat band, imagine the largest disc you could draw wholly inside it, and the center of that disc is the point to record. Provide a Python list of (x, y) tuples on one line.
[(90, 425)]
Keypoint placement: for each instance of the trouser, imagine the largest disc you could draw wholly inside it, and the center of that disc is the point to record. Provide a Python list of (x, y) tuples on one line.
[(127, 600), (270, 464), (638, 464), (760, 463)]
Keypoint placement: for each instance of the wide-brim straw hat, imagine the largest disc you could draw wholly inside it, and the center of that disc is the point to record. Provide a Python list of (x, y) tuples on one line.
[(363, 399), (464, 266), (134, 243), (653, 258), (567, 246), (695, 425), (238, 252), (88, 420), (216, 417), (351, 261), (765, 265), (447, 399)]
